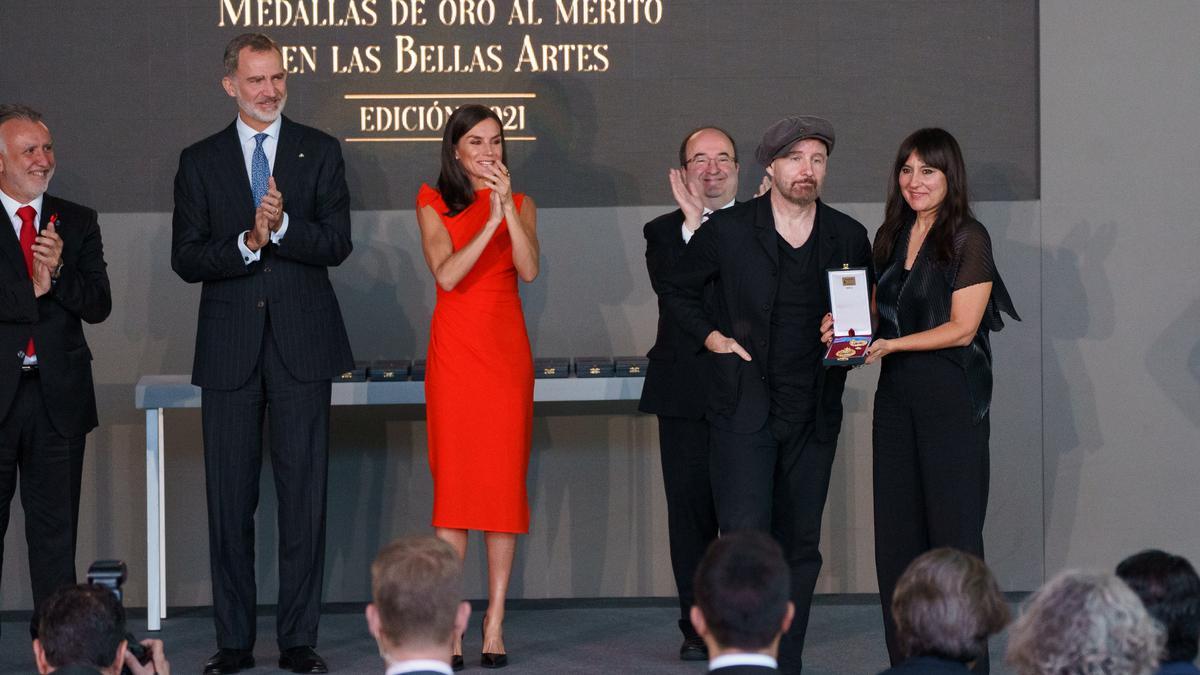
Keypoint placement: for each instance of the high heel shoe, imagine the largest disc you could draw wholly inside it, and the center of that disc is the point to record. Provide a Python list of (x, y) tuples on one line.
[(491, 659), (456, 660)]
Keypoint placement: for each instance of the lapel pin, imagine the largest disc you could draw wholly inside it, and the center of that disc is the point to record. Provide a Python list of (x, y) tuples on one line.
[(302, 154)]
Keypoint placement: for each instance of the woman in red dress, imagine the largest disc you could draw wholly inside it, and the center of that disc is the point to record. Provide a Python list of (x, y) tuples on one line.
[(479, 238)]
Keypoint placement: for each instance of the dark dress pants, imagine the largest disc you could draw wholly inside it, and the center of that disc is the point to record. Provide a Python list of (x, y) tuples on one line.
[(298, 428), (51, 470), (775, 480), (691, 515), (930, 470)]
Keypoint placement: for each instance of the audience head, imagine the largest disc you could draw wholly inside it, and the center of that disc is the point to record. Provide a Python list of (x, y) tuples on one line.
[(472, 142), (742, 591), (947, 604), (1084, 623), (81, 626), (417, 606), (708, 156), (26, 153), (1170, 590)]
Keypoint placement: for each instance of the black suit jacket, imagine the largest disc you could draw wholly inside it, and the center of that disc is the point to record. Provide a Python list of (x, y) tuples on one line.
[(55, 320), (677, 379), (738, 247), (213, 206), (928, 665)]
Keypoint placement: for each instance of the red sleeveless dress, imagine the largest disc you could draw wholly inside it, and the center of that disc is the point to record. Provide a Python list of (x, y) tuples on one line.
[(479, 383)]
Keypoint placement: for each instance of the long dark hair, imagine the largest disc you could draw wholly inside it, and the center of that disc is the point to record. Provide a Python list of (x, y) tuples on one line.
[(937, 148), (453, 183)]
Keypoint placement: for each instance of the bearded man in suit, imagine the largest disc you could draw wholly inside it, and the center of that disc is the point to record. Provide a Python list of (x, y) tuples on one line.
[(52, 279), (261, 211)]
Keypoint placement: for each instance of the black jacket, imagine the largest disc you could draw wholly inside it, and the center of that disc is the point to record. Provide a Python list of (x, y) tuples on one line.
[(213, 205), (677, 380), (738, 248), (54, 320)]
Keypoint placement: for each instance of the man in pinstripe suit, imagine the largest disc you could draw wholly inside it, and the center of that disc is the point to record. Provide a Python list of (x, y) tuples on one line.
[(261, 210)]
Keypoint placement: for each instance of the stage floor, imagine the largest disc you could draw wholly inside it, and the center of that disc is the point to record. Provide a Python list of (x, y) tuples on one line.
[(621, 636)]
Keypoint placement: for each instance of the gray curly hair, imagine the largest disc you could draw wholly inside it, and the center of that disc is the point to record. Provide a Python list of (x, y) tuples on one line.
[(1085, 623)]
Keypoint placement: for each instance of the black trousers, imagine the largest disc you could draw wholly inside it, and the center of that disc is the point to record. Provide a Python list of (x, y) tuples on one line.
[(930, 470), (298, 428), (51, 470), (775, 480), (691, 514)]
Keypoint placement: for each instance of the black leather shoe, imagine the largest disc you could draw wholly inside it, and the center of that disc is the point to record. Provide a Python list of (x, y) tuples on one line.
[(457, 663), (229, 661), (490, 660), (693, 649), (302, 660)]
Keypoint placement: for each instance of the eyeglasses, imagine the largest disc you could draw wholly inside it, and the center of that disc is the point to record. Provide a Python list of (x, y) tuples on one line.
[(703, 161)]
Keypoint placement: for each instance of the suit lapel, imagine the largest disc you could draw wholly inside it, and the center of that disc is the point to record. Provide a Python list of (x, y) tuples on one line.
[(764, 222), (287, 156), (231, 157), (826, 237), (12, 245)]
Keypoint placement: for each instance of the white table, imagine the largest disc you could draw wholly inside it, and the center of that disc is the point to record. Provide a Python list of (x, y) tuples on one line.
[(156, 393)]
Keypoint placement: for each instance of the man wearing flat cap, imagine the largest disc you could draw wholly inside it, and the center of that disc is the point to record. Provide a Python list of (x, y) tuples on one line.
[(774, 410)]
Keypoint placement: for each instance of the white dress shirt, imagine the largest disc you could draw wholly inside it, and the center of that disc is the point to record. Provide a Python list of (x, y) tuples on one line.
[(10, 208), (270, 144), (727, 660), (687, 234), (418, 665)]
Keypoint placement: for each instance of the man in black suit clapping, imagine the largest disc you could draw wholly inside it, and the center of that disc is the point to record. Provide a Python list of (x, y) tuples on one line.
[(261, 211), (677, 380), (52, 279)]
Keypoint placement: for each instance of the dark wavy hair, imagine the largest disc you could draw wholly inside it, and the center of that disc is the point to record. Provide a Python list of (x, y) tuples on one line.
[(1170, 590), (453, 182), (937, 148)]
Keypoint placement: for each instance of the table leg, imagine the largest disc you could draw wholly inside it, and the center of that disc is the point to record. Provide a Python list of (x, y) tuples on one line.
[(154, 563)]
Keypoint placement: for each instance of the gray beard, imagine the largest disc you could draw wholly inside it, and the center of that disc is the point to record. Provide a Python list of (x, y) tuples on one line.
[(248, 108)]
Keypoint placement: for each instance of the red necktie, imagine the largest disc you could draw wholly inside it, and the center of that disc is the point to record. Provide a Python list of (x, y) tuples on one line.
[(28, 234)]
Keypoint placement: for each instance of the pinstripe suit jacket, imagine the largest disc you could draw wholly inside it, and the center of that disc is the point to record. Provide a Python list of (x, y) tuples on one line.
[(213, 206)]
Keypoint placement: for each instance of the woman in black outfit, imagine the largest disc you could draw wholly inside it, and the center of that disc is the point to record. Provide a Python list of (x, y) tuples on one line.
[(938, 296)]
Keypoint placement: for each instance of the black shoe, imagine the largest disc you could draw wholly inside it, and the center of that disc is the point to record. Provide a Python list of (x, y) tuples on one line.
[(302, 660), (456, 663), (229, 661), (693, 649), (490, 660)]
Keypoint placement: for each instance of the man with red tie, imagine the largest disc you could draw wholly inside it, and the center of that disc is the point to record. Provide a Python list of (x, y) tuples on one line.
[(52, 278)]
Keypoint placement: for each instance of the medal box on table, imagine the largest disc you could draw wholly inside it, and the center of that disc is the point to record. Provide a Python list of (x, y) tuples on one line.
[(630, 366), (593, 366)]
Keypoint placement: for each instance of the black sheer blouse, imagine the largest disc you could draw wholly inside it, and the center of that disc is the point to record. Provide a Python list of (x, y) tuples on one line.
[(919, 299)]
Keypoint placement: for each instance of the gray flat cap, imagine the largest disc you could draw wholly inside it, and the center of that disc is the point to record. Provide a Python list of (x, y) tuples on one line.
[(787, 131)]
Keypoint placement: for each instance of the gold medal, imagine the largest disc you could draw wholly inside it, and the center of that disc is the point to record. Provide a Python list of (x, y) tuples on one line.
[(847, 352), (858, 343)]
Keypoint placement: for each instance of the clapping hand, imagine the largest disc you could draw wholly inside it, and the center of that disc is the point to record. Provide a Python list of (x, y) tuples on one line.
[(272, 206), (47, 256), (686, 197), (764, 186)]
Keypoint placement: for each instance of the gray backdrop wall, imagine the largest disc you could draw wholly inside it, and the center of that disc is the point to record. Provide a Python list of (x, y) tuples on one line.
[(1095, 417)]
